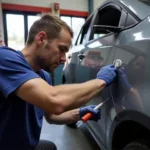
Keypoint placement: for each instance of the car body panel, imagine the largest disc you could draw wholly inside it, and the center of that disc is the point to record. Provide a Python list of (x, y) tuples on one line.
[(134, 6), (133, 49), (98, 53), (131, 45)]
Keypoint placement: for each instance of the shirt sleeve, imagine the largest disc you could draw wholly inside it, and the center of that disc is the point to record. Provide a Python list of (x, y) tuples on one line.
[(14, 71), (46, 76)]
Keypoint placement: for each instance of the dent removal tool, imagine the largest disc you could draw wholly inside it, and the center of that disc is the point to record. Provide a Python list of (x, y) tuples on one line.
[(87, 116), (117, 63)]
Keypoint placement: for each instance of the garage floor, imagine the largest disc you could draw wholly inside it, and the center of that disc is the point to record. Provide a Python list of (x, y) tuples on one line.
[(68, 139)]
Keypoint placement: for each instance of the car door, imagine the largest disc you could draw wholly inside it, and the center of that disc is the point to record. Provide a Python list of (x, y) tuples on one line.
[(71, 56), (97, 52), (132, 49)]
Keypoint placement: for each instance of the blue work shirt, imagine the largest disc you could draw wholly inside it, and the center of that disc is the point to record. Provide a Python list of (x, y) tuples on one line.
[(20, 122)]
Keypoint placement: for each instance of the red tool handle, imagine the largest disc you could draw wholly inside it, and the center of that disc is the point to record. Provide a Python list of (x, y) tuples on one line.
[(86, 117)]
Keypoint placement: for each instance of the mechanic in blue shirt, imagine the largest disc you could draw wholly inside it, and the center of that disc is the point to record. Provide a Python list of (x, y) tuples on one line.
[(25, 91)]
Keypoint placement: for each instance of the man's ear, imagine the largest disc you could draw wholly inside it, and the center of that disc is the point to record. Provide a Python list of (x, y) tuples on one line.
[(40, 38)]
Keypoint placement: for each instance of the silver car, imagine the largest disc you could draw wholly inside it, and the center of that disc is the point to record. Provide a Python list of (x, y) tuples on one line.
[(118, 29)]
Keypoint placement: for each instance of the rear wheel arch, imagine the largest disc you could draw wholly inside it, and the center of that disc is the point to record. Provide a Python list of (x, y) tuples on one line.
[(140, 144), (128, 126)]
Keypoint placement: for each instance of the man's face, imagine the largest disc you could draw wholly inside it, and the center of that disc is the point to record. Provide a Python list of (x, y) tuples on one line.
[(53, 53)]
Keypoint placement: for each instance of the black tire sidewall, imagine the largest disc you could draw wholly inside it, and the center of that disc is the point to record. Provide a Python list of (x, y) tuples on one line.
[(136, 146)]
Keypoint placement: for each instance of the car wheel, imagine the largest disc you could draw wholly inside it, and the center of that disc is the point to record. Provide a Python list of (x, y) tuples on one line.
[(138, 145)]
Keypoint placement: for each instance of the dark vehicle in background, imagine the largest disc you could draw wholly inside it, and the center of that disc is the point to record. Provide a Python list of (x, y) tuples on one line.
[(118, 29)]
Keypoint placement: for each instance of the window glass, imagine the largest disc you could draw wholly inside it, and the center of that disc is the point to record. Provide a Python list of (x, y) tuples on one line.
[(77, 23), (31, 20), (78, 39), (66, 19), (98, 35), (83, 40), (109, 16), (15, 31), (82, 36)]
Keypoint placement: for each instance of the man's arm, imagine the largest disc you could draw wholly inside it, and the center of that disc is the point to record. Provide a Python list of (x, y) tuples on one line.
[(58, 99), (74, 115), (64, 118)]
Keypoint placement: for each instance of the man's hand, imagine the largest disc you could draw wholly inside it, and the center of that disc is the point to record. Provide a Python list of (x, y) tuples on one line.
[(107, 73), (90, 109), (123, 79)]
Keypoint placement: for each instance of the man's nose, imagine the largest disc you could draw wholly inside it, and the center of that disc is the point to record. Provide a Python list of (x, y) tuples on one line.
[(63, 59)]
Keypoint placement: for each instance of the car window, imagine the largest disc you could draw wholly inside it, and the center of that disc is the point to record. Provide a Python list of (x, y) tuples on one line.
[(83, 33), (108, 16), (147, 2), (130, 21)]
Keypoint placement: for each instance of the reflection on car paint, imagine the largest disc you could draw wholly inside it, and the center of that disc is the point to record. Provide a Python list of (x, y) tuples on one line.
[(132, 46)]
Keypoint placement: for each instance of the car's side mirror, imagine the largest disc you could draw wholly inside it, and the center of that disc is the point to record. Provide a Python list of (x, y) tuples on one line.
[(108, 28)]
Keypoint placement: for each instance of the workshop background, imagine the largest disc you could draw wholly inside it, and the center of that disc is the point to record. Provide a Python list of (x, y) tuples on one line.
[(16, 18)]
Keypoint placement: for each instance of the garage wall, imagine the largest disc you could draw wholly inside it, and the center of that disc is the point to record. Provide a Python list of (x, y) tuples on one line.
[(97, 3), (76, 7), (67, 7), (81, 5)]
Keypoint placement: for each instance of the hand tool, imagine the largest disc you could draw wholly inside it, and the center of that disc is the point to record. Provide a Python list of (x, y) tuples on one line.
[(117, 63), (87, 116)]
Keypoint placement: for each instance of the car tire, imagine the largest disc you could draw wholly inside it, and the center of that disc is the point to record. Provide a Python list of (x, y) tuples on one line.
[(138, 145)]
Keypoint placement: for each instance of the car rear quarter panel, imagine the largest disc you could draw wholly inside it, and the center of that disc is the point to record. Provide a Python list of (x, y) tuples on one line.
[(134, 50), (137, 7)]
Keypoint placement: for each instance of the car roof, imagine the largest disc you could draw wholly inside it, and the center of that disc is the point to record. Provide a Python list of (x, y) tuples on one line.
[(141, 8)]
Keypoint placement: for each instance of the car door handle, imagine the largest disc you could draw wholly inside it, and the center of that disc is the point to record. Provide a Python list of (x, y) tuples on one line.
[(81, 56), (69, 56)]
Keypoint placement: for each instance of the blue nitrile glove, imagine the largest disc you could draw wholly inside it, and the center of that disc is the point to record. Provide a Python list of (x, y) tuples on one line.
[(107, 73), (90, 109), (123, 79)]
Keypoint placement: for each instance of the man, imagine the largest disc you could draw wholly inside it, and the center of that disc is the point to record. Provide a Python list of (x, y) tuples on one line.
[(25, 95)]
